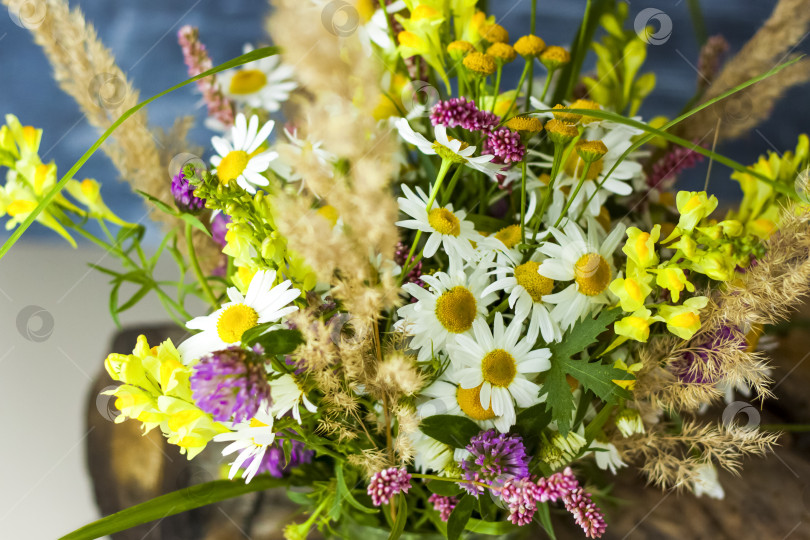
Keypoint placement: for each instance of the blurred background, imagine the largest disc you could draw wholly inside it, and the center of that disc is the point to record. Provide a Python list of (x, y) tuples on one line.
[(55, 328)]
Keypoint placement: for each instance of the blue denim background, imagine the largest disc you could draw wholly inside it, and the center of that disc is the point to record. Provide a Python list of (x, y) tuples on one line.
[(142, 36)]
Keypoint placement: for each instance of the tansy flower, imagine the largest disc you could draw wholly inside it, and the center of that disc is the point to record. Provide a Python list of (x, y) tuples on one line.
[(446, 148), (444, 311), (495, 33), (447, 228), (554, 57), (251, 440), (480, 63), (587, 262), (262, 84), (684, 320), (288, 397), (526, 289), (530, 46), (498, 361), (503, 53), (240, 159), (263, 303)]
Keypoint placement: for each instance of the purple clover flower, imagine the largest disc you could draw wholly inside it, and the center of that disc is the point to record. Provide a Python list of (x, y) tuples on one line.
[(184, 197), (219, 227), (495, 457), (230, 384)]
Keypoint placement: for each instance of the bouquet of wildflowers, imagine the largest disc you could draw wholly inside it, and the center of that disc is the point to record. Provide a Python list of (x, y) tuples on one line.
[(440, 302)]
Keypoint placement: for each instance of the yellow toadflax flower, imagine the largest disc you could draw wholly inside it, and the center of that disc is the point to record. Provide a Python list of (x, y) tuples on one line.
[(693, 207), (683, 320), (156, 391)]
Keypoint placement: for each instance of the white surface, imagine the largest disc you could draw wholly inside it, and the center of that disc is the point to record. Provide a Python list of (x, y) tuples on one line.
[(44, 384)]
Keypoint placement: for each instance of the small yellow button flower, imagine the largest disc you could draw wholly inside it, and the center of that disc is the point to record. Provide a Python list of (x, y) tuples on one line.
[(683, 320), (693, 207)]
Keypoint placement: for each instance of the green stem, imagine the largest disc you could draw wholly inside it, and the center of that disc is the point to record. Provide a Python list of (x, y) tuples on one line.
[(453, 480), (523, 201), (451, 186), (546, 85), (445, 166), (497, 87), (195, 265), (532, 28), (573, 196), (526, 68)]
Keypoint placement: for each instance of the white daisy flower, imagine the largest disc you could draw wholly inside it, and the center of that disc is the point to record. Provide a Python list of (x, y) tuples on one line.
[(251, 439), (607, 457), (288, 396), (497, 361), (447, 148), (239, 160), (447, 228), (430, 454), (449, 398), (586, 262), (263, 303), (526, 289), (445, 311), (263, 84)]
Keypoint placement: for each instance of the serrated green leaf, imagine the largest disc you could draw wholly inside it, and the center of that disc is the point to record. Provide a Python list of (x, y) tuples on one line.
[(459, 517), (455, 431), (593, 376)]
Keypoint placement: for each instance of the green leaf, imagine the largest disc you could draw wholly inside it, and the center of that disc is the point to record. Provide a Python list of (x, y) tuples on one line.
[(445, 489), (531, 422), (402, 517), (455, 431), (162, 206), (172, 503), (459, 517), (592, 429), (492, 528), (195, 222), (281, 341), (544, 517), (347, 493), (251, 56), (593, 376)]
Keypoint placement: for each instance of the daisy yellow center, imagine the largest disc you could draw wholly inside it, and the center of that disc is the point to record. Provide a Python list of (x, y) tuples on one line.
[(574, 167), (247, 81), (510, 235), (232, 166), (447, 154), (536, 285), (234, 321), (456, 309), (444, 221), (592, 274), (499, 368), (469, 399)]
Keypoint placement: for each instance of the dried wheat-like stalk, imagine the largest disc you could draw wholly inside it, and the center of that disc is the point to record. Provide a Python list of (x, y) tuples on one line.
[(671, 459), (770, 46)]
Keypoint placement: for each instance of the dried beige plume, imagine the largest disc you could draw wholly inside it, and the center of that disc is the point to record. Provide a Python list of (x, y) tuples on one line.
[(86, 70), (773, 44)]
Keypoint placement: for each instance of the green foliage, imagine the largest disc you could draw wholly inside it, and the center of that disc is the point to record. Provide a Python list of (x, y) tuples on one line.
[(617, 85), (455, 431), (282, 341), (460, 516), (172, 503), (594, 376)]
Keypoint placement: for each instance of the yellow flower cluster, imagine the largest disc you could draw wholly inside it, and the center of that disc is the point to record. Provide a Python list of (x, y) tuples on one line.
[(156, 391)]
